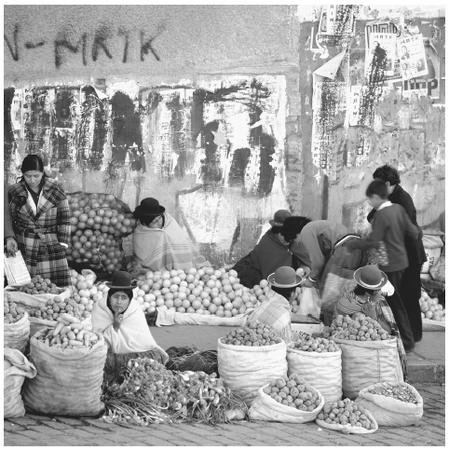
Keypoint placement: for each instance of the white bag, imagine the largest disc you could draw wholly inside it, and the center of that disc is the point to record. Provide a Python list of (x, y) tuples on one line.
[(432, 247), (320, 370), (310, 302), (246, 369), (16, 368), (368, 362), (348, 429), (390, 412), (167, 317), (266, 408), (16, 335)]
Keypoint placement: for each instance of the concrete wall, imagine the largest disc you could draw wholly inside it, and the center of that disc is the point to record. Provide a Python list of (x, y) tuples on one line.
[(210, 109)]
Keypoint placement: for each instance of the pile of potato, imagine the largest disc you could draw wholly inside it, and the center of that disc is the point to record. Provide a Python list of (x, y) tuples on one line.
[(253, 334), (69, 333), (12, 312), (356, 328), (56, 306), (308, 343), (346, 412), (39, 285), (293, 392), (397, 391)]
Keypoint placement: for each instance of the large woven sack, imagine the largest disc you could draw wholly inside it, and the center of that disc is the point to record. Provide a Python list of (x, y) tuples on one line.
[(17, 334), (368, 362), (432, 247), (68, 381), (246, 369), (266, 408), (349, 429), (16, 368), (320, 370), (390, 412)]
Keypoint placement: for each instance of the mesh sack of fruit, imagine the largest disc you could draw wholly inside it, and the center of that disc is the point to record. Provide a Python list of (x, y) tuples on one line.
[(250, 357), (16, 326), (289, 400), (16, 369), (392, 404), (69, 367), (318, 362), (99, 222), (369, 354), (348, 417)]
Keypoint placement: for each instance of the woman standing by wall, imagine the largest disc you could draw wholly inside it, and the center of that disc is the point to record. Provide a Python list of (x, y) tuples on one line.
[(41, 221)]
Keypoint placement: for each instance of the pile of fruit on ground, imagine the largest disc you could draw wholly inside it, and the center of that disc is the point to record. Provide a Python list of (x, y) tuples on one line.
[(430, 308), (12, 312), (39, 285)]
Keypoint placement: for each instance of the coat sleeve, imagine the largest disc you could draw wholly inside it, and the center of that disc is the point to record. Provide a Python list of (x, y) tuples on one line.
[(408, 205), (317, 259), (411, 231), (9, 232), (63, 222)]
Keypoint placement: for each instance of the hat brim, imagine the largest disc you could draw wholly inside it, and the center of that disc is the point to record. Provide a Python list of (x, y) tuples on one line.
[(272, 282), (273, 223), (380, 285), (110, 286)]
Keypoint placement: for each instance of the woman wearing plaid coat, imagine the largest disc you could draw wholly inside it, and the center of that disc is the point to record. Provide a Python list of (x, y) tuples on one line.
[(41, 220)]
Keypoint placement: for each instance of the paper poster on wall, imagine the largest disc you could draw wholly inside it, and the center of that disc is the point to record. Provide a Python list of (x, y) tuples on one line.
[(353, 107), (412, 56), (388, 42)]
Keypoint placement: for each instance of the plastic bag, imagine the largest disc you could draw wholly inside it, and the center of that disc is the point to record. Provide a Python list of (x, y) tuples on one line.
[(246, 369), (17, 334), (68, 381), (368, 362), (266, 408), (310, 302), (432, 247), (16, 368), (321, 370), (390, 412), (349, 429)]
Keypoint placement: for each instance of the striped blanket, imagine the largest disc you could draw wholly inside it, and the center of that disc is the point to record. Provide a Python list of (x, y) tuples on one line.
[(167, 248)]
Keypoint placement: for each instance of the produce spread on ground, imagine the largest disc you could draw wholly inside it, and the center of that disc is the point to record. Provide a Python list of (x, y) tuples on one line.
[(283, 388)]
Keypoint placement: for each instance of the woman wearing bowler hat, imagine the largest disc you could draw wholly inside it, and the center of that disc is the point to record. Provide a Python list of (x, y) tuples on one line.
[(159, 242)]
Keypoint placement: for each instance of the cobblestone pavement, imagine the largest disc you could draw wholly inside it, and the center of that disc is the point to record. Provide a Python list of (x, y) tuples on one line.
[(43, 431)]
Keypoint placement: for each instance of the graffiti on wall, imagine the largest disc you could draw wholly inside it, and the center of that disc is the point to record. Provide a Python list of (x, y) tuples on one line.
[(225, 136)]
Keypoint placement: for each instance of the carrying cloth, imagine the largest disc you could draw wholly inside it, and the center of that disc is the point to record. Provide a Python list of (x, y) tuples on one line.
[(167, 248), (266, 408), (133, 336), (40, 233), (320, 370), (390, 412), (16, 335), (368, 362), (68, 381), (246, 369), (16, 369)]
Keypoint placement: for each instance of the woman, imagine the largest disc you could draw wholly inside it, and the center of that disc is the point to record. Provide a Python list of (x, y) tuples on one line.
[(159, 242), (122, 322), (41, 221), (271, 252), (367, 298)]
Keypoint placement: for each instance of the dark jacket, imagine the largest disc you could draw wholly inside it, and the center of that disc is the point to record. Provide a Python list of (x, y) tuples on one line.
[(415, 248), (7, 222)]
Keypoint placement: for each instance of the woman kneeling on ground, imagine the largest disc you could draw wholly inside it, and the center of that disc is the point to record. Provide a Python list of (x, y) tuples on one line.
[(122, 322)]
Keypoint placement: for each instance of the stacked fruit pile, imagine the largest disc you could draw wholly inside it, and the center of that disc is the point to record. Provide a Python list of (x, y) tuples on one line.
[(99, 221), (308, 343), (39, 285), (294, 392), (346, 412), (203, 291), (12, 312), (356, 328), (430, 308), (57, 305), (254, 334), (398, 391)]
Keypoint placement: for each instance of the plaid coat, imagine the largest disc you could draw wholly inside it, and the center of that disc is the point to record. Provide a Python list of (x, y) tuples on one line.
[(39, 236)]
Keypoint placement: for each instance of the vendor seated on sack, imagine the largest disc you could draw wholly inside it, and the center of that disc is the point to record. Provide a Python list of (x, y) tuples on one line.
[(158, 242), (276, 310), (122, 322)]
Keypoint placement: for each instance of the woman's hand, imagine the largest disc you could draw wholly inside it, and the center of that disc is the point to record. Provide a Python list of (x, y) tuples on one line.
[(11, 246), (118, 319)]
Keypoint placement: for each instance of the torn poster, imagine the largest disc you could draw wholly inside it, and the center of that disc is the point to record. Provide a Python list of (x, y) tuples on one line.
[(388, 42), (412, 56)]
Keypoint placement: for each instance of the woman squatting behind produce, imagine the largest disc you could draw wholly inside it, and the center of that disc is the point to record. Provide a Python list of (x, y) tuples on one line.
[(41, 221), (122, 322)]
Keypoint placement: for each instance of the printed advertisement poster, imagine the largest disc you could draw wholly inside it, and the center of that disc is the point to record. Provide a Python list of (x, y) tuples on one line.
[(388, 42), (353, 107), (412, 56)]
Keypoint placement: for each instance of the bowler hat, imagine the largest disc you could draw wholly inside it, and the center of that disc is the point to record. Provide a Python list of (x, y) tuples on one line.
[(370, 277), (121, 280), (284, 277), (149, 207), (279, 218)]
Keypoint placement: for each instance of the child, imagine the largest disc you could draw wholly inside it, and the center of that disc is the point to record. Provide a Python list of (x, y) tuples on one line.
[(390, 227), (367, 298)]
